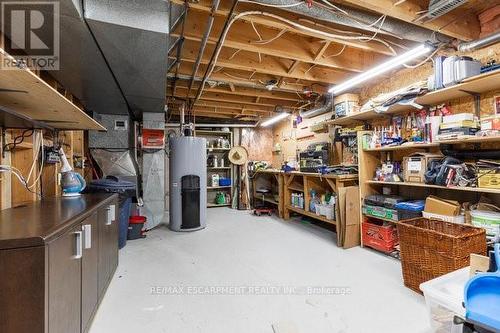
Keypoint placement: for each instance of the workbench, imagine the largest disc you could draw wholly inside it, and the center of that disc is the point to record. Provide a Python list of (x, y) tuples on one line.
[(304, 182), (273, 179)]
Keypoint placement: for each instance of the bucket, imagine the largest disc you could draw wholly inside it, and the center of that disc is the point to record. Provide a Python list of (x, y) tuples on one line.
[(135, 225), (487, 220)]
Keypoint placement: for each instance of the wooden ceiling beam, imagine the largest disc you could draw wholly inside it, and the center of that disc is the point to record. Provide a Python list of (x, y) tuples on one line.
[(216, 110), (454, 23), (203, 6), (230, 105), (264, 64), (212, 96), (273, 95), (237, 77), (288, 46)]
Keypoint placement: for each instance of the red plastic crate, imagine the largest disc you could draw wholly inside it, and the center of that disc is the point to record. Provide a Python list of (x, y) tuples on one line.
[(380, 237)]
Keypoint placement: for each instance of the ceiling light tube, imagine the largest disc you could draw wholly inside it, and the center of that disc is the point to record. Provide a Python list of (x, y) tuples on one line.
[(275, 119), (382, 68)]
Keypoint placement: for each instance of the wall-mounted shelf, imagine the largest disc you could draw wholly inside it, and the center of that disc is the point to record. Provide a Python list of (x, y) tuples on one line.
[(218, 187), (476, 85), (454, 188), (462, 140), (30, 97)]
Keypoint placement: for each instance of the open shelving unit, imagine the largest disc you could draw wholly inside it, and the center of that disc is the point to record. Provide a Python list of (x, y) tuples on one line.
[(31, 99), (304, 182), (474, 85), (226, 170)]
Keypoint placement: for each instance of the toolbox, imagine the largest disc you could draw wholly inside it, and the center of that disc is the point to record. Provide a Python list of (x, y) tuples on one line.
[(387, 201)]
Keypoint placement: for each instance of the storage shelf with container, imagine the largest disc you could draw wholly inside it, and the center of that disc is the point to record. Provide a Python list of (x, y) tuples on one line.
[(443, 152), (219, 169), (314, 195), (34, 108)]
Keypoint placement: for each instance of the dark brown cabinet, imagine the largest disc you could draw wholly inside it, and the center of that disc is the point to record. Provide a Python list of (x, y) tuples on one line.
[(91, 250), (57, 258), (65, 267), (108, 241)]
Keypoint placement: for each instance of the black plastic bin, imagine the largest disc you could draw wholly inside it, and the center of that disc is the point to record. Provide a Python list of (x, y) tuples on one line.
[(190, 192), (126, 191)]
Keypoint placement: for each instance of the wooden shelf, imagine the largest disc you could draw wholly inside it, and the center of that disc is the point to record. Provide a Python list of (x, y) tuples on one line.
[(220, 149), (212, 205), (306, 213), (218, 187), (33, 98), (455, 188), (209, 132), (295, 188), (478, 84), (405, 146), (266, 199), (219, 168)]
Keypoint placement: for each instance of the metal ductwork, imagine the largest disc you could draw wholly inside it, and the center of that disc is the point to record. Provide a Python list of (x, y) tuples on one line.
[(113, 54), (391, 26), (133, 37), (326, 107), (479, 43)]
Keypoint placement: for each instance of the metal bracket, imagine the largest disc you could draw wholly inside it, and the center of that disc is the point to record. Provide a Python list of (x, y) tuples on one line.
[(477, 101)]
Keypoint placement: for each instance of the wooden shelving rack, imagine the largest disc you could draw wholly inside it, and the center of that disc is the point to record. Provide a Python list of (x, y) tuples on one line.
[(473, 85), (304, 182), (227, 170)]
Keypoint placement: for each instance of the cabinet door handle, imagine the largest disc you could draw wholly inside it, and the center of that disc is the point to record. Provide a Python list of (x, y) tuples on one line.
[(78, 245), (87, 236)]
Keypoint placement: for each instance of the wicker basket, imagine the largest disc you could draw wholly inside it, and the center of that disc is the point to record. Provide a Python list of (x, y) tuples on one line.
[(431, 248)]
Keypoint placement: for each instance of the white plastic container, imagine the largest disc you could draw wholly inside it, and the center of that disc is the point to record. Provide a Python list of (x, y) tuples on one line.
[(447, 218), (329, 212), (487, 220), (444, 296)]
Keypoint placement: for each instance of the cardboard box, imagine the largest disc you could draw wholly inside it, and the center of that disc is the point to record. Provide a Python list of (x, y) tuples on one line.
[(415, 166), (436, 205), (490, 123)]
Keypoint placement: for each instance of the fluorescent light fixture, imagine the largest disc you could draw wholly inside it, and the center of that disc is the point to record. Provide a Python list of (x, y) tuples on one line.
[(382, 68), (275, 119)]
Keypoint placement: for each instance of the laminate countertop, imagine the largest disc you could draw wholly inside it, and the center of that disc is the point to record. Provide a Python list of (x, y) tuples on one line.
[(39, 222)]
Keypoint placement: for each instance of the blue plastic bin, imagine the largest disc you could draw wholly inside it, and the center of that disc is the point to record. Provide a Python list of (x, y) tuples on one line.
[(125, 190)]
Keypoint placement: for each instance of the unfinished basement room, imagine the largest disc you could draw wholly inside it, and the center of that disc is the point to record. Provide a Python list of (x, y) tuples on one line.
[(250, 166)]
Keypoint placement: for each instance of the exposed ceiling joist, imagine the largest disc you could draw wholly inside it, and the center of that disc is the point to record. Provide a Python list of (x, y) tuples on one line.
[(203, 6), (459, 23), (264, 64), (296, 47)]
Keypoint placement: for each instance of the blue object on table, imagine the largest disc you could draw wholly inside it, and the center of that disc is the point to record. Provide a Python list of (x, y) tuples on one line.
[(482, 297), (414, 206), (224, 181)]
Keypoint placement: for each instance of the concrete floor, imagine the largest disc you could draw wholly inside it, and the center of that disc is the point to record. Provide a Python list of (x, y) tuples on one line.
[(154, 290)]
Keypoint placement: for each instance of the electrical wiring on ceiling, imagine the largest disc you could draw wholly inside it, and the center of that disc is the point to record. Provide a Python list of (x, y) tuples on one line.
[(248, 13), (336, 54)]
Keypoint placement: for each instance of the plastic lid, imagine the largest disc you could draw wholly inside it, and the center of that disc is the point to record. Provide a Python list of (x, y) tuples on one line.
[(485, 214)]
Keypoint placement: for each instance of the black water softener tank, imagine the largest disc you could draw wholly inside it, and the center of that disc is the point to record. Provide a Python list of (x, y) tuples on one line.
[(190, 192)]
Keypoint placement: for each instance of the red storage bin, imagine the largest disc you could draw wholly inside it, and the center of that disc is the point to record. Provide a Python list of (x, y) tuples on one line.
[(379, 237)]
